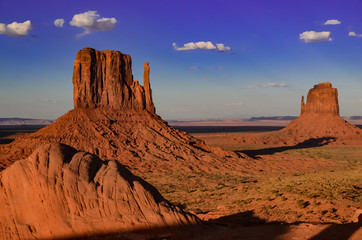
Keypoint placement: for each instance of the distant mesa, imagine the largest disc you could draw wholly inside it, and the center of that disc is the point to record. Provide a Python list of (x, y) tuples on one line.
[(24, 122), (319, 118), (58, 192), (114, 118)]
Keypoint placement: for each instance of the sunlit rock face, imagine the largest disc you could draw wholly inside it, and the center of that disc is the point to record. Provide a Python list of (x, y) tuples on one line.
[(320, 116), (322, 99), (319, 123), (104, 79), (59, 192), (114, 118)]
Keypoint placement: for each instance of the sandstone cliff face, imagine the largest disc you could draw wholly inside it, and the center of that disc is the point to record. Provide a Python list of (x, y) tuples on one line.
[(322, 99), (60, 192), (104, 79)]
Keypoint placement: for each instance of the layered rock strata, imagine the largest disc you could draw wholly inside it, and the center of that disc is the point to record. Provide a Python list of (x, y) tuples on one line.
[(104, 79), (322, 100), (59, 192)]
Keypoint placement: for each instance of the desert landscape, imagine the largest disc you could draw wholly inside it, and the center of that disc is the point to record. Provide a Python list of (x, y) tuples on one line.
[(253, 134), (72, 178)]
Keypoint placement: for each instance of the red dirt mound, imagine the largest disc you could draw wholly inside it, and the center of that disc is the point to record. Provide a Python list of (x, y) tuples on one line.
[(59, 192)]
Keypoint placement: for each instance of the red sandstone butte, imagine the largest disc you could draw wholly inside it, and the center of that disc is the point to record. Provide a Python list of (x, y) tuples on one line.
[(319, 123), (320, 116), (322, 99), (104, 79), (114, 118)]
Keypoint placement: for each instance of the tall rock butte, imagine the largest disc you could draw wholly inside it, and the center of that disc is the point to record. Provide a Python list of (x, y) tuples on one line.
[(322, 99), (320, 118), (319, 122), (104, 79), (114, 118)]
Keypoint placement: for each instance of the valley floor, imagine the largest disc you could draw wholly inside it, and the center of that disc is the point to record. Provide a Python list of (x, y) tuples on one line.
[(296, 192)]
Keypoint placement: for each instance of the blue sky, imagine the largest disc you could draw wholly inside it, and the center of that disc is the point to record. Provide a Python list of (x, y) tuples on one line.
[(269, 58)]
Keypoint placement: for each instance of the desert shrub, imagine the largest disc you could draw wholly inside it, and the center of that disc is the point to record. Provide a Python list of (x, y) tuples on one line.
[(303, 204), (332, 210), (276, 193), (268, 207)]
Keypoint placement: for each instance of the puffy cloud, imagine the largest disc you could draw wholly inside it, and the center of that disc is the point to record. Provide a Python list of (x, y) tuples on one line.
[(332, 22), (16, 29), (91, 21), (312, 36), (59, 22), (222, 48), (274, 85), (353, 34), (203, 46)]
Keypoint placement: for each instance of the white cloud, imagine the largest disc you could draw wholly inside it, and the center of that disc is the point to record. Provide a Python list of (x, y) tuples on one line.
[(91, 21), (222, 48), (59, 22), (16, 29), (203, 46), (332, 22), (274, 85), (312, 36), (353, 34)]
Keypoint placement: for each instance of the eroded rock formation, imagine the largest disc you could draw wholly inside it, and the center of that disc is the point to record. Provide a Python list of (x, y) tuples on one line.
[(104, 79), (320, 118), (59, 192), (319, 123), (113, 117), (322, 99)]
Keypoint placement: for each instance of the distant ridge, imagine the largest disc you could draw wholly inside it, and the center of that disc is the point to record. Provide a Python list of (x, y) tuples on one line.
[(24, 121), (275, 118)]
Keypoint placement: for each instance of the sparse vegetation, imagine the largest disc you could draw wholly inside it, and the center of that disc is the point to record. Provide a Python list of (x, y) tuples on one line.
[(298, 196)]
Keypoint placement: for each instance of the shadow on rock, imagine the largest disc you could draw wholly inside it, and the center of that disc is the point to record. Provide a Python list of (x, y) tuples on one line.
[(243, 225), (338, 231), (310, 143)]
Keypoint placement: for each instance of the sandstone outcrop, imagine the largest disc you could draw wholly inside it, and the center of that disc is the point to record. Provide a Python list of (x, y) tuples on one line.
[(114, 118), (59, 192), (319, 123), (104, 79), (320, 116), (322, 100)]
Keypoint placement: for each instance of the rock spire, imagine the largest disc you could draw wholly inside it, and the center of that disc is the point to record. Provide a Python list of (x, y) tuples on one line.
[(104, 79)]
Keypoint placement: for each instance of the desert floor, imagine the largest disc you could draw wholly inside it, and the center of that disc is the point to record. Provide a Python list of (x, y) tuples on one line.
[(298, 193)]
